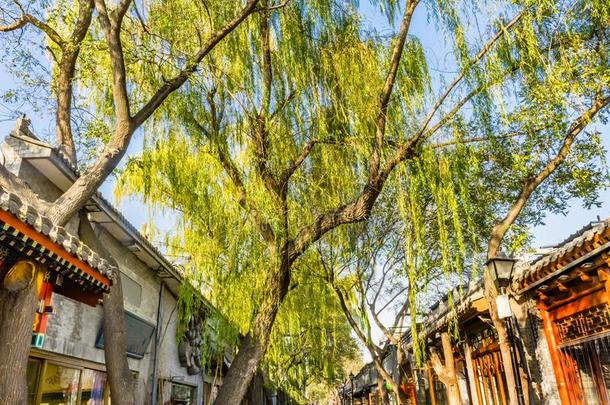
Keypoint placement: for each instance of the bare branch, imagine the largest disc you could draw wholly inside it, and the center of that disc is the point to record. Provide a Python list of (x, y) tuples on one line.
[(112, 34), (67, 67), (119, 12)]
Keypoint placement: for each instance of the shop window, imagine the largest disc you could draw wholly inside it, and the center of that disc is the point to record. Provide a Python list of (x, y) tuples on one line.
[(33, 371), (172, 393), (92, 387), (183, 394), (57, 384), (132, 291)]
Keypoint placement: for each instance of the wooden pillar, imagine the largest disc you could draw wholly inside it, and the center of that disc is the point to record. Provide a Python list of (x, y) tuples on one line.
[(44, 291), (431, 385), (497, 359), (556, 361), (473, 383)]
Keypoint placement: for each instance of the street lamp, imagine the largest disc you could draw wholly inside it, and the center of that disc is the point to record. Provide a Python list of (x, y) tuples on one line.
[(351, 380), (501, 270)]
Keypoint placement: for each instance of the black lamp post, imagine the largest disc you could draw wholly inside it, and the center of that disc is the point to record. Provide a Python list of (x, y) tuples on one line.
[(351, 380), (501, 270)]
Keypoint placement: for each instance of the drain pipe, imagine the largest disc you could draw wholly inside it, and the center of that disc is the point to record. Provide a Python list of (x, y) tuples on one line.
[(153, 394)]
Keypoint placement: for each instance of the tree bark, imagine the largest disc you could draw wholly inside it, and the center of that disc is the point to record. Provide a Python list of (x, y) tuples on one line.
[(17, 309), (253, 346), (446, 372), (115, 335)]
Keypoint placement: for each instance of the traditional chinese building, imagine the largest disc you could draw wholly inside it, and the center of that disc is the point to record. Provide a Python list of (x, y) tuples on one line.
[(570, 287), (66, 362)]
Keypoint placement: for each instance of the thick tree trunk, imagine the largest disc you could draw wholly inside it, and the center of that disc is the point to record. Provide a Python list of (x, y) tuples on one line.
[(115, 347), (381, 391), (17, 308), (490, 294), (446, 372), (115, 335), (253, 346)]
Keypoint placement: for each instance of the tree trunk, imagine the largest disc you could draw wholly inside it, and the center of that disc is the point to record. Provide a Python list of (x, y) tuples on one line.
[(446, 372), (253, 346), (115, 347), (381, 391), (115, 335), (490, 294), (17, 308)]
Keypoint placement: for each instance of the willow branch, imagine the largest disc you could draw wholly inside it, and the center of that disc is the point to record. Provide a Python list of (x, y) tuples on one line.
[(359, 209), (260, 130), (373, 350), (297, 162), (221, 149), (275, 7), (405, 150)]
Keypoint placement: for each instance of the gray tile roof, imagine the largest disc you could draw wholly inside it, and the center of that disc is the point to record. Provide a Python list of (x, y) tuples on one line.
[(528, 273), (13, 204), (22, 132)]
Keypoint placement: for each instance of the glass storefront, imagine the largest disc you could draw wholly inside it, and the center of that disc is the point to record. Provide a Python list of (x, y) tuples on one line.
[(56, 383)]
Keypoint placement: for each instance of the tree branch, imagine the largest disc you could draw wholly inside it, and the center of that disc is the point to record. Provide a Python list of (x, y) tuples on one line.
[(500, 229), (44, 27), (297, 162), (67, 67), (388, 86), (112, 34), (174, 83), (405, 150), (221, 148)]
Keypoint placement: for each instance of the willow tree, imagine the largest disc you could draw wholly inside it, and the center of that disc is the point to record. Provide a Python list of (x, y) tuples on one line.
[(299, 121), (73, 49)]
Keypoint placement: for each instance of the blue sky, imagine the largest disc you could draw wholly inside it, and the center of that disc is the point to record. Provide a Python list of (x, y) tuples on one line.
[(556, 227)]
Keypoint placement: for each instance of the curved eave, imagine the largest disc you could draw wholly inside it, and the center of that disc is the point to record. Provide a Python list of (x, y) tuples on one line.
[(15, 229)]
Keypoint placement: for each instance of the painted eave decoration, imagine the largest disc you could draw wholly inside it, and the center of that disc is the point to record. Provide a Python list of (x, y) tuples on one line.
[(25, 232), (585, 243)]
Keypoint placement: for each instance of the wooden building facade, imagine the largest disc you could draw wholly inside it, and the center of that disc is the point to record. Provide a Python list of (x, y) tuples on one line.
[(571, 287)]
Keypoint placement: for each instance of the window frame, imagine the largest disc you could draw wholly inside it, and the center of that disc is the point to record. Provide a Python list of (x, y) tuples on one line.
[(78, 364), (137, 356), (193, 386)]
